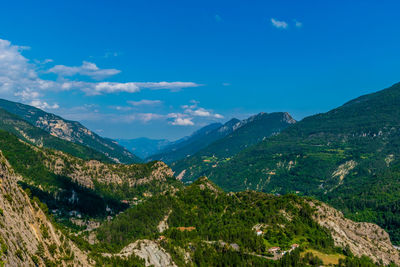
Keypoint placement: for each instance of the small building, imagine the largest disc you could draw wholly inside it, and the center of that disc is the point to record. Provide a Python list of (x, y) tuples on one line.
[(294, 246), (259, 232), (274, 250)]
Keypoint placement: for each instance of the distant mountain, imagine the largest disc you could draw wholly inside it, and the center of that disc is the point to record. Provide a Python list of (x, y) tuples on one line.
[(349, 157), (70, 130), (245, 134), (36, 136), (191, 144), (144, 147)]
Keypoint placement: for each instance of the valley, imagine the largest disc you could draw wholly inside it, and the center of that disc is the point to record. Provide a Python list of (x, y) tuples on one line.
[(83, 208)]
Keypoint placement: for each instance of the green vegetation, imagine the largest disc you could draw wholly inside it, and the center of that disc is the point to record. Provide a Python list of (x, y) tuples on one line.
[(252, 131), (54, 190), (202, 215), (33, 135), (84, 143), (193, 143), (347, 157)]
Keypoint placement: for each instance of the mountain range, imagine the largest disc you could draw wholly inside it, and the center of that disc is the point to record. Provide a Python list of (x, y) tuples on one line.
[(244, 134), (191, 144), (66, 200), (348, 157), (70, 131), (144, 147)]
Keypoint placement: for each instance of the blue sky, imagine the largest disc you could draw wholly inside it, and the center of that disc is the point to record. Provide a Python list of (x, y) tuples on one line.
[(162, 69)]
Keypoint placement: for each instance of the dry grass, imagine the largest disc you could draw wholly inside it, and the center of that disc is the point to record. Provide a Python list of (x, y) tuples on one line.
[(327, 259)]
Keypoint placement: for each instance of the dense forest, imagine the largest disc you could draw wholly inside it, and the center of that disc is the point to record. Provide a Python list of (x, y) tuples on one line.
[(202, 215), (347, 157)]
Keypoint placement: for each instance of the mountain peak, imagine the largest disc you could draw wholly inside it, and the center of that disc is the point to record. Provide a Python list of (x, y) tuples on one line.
[(67, 130), (288, 118)]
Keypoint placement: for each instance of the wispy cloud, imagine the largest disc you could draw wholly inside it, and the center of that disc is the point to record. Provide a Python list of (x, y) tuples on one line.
[(86, 69), (145, 102), (111, 54), (20, 81), (180, 119), (128, 87), (43, 105), (196, 111), (298, 24), (183, 122), (280, 24)]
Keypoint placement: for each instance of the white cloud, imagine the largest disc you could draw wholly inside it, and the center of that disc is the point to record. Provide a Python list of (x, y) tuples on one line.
[(180, 119), (86, 69), (196, 111), (43, 62), (19, 79), (27, 94), (120, 108), (115, 87), (145, 117), (279, 24), (173, 86), (182, 122), (43, 105), (111, 54), (145, 102)]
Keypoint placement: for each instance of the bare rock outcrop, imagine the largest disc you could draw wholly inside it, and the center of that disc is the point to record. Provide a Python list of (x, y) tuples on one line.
[(362, 238), (150, 251), (26, 232), (86, 172)]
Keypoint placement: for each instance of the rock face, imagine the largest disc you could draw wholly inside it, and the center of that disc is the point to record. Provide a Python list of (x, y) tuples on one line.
[(28, 235), (71, 131), (362, 238), (85, 172), (150, 251)]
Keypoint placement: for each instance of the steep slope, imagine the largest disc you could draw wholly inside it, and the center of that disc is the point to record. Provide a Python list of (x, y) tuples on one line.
[(144, 147), (208, 227), (72, 186), (27, 237), (246, 133), (69, 130), (189, 145), (34, 135), (348, 156)]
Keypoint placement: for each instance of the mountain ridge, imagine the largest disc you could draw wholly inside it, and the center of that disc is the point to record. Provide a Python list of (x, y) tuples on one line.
[(72, 131), (348, 157), (245, 133)]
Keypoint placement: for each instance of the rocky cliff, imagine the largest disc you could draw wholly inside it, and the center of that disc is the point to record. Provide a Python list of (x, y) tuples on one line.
[(86, 172), (362, 238), (27, 237)]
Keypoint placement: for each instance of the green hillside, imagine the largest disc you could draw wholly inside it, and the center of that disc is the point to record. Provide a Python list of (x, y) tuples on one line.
[(70, 131), (246, 133), (348, 156), (191, 144), (31, 134), (60, 192), (213, 228)]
